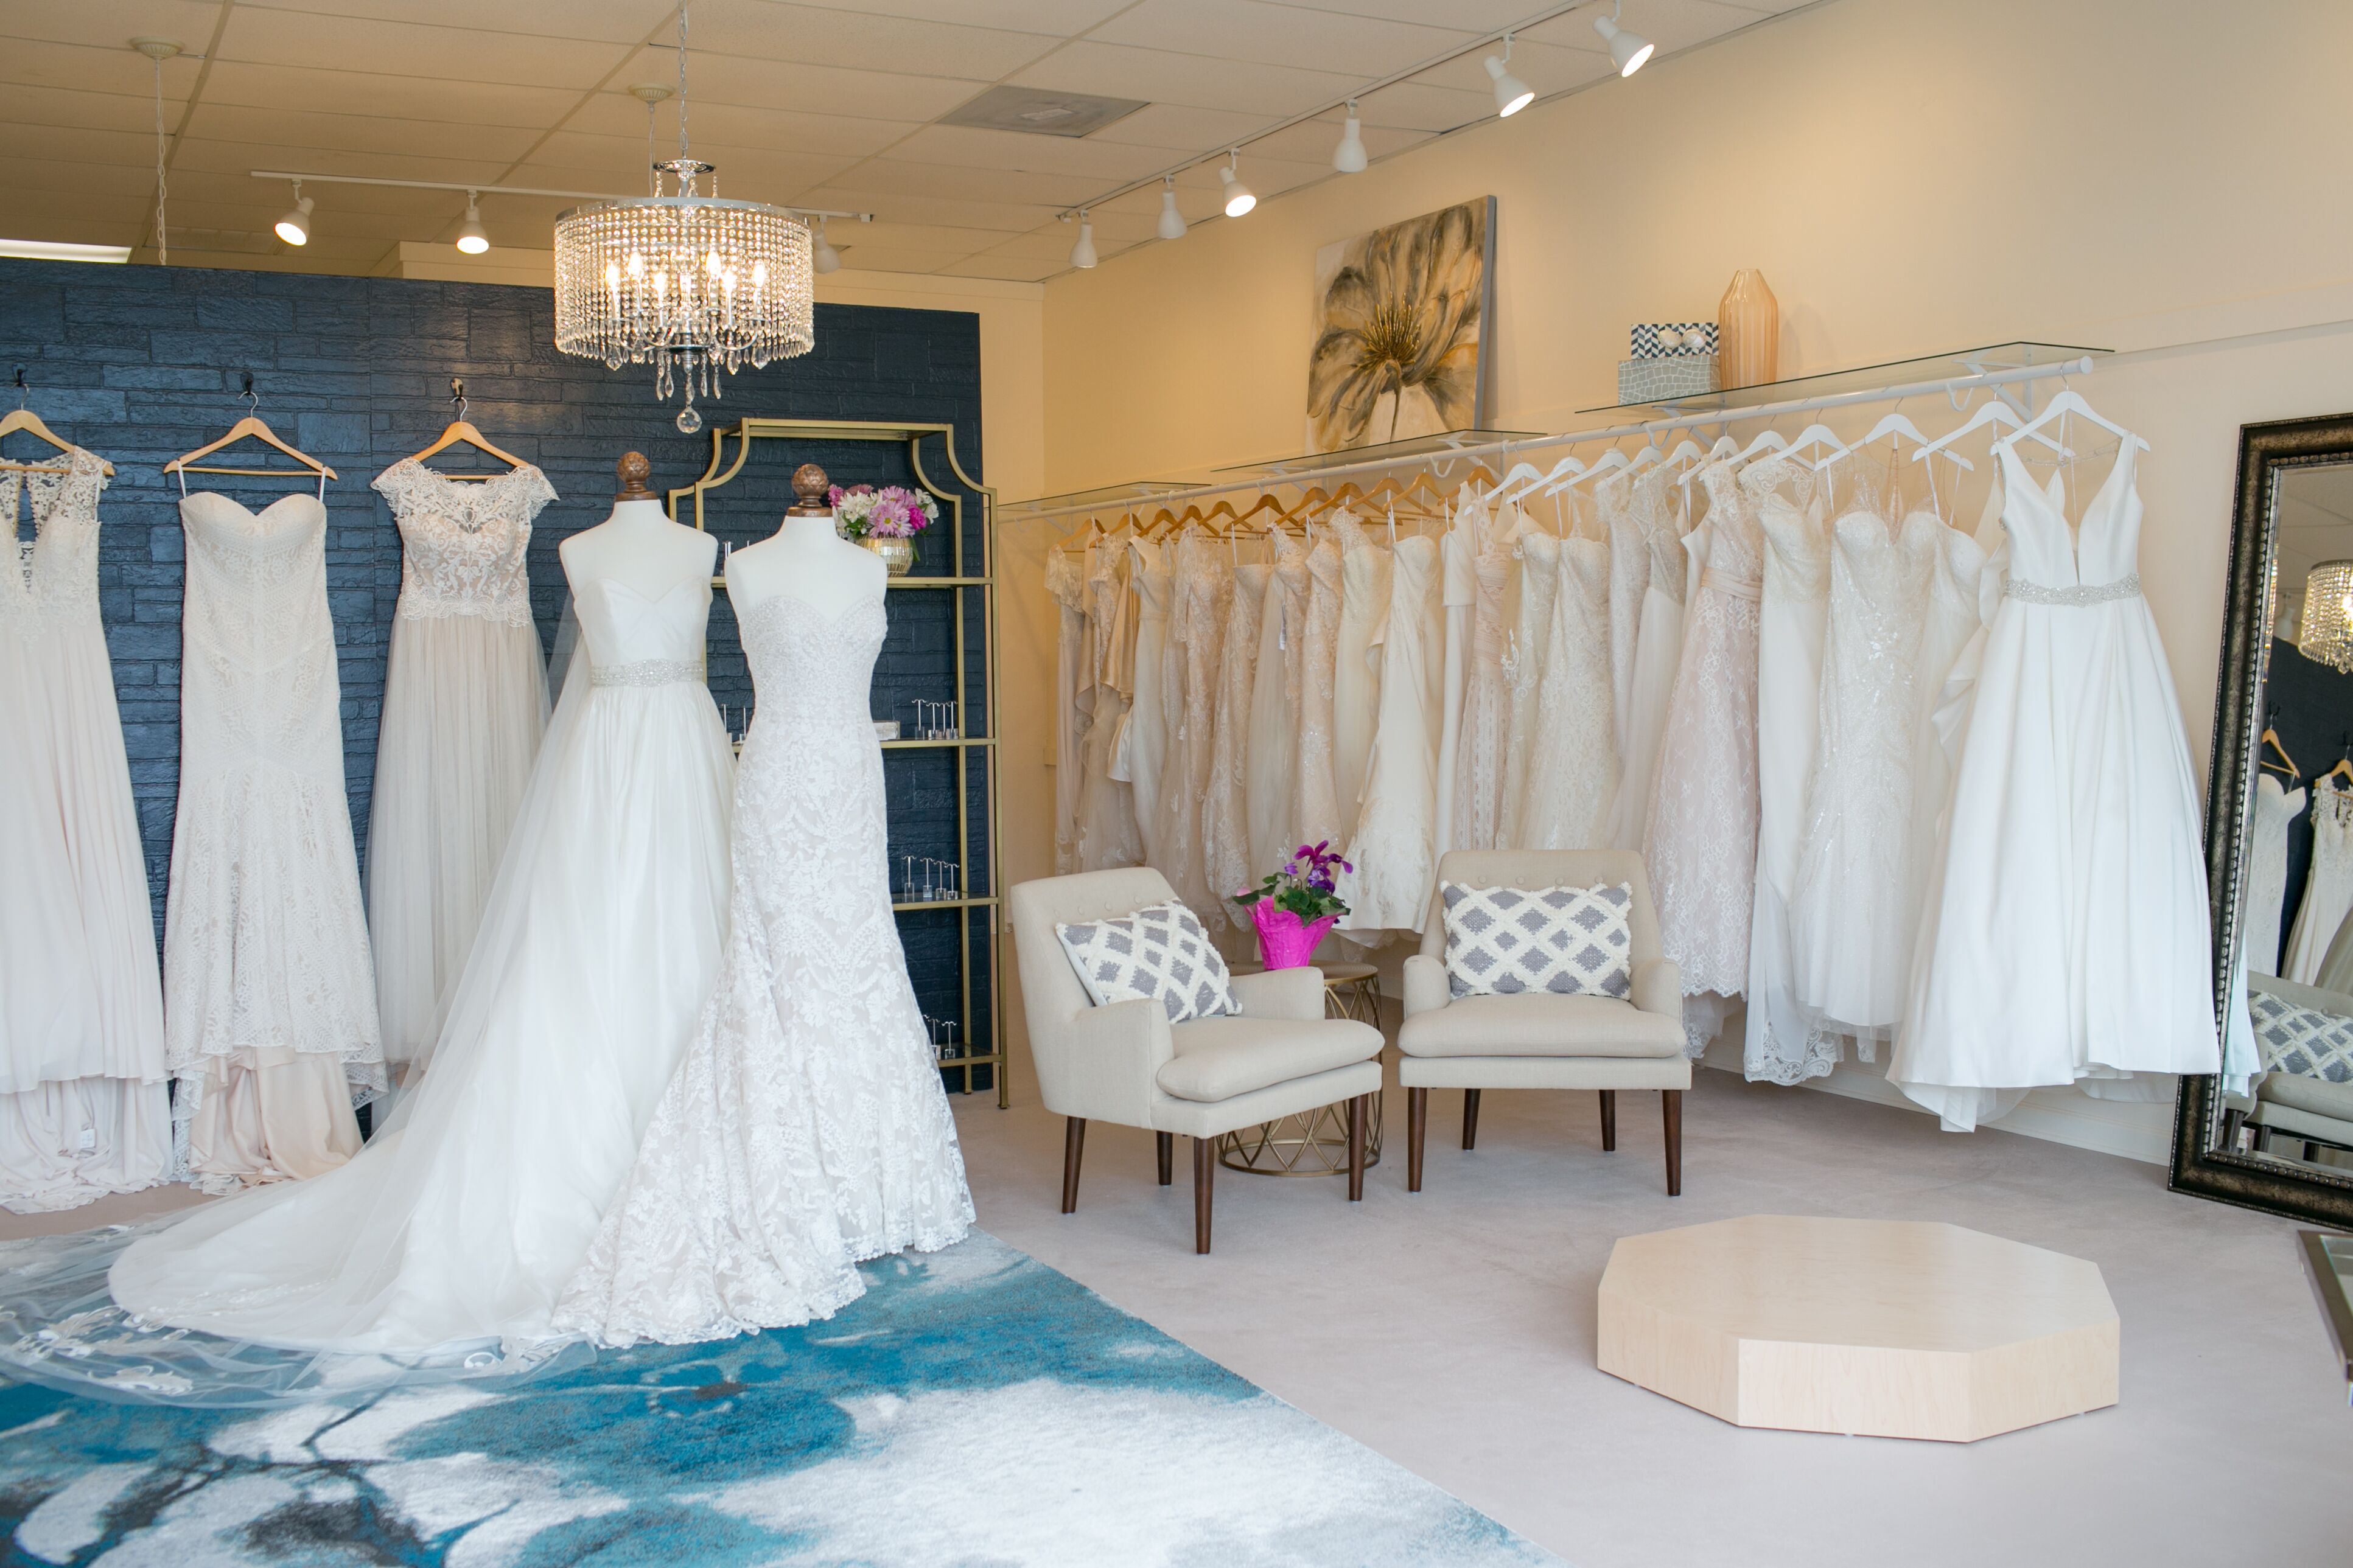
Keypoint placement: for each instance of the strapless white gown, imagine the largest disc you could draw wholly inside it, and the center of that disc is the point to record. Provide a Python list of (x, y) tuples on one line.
[(452, 1233)]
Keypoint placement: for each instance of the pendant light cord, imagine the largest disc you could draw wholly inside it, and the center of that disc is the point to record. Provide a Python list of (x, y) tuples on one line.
[(162, 238), (681, 82)]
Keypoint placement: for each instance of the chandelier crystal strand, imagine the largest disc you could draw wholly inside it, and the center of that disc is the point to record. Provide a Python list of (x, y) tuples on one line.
[(688, 282), (2325, 633)]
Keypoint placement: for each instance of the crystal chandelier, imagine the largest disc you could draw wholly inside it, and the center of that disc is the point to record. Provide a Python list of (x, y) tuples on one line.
[(2325, 631), (694, 284)]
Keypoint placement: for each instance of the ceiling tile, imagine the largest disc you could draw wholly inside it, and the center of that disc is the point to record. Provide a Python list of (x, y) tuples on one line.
[(605, 21), (1181, 128), (959, 146), (83, 111), (400, 97), (1416, 106), (822, 38), (476, 144), (1012, 269), (83, 69), (407, 48), (1547, 68), (886, 259), (1062, 18), (76, 146), (1361, 46), (55, 175), (889, 175), (1243, 86), (1670, 24), (111, 23), (773, 84), (850, 195), (1314, 139), (1472, 16), (623, 118)]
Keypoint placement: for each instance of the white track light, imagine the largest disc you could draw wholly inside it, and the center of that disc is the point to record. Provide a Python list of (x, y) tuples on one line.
[(823, 257), (1512, 94), (471, 239), (294, 228), (1239, 198), (1349, 156), (1082, 254), (1628, 48), (1172, 222)]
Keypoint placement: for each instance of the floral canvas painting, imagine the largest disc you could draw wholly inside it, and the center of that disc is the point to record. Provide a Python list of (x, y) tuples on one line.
[(1400, 330)]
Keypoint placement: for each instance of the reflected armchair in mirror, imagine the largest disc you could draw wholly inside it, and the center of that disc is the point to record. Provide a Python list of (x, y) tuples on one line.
[(2275, 1130)]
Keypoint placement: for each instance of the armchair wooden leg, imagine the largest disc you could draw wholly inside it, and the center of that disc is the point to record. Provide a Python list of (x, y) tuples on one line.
[(1167, 1152), (1608, 1120), (1074, 1141), (1205, 1173), (1416, 1122), (1470, 1118), (1671, 1102), (1356, 1150)]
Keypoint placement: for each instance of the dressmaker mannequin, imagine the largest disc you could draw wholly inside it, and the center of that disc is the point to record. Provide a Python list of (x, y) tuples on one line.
[(806, 558), (639, 545)]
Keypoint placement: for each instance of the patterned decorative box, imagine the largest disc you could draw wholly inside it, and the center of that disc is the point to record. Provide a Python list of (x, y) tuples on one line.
[(1672, 339), (1664, 380)]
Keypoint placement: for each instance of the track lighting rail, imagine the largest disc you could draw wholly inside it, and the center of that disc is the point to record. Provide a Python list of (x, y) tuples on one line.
[(508, 191)]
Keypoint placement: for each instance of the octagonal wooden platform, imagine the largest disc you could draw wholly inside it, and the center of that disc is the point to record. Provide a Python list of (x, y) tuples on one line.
[(1880, 1328)]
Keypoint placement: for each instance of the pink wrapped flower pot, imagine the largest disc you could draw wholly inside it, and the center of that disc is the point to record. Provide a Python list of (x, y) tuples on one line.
[(1284, 940)]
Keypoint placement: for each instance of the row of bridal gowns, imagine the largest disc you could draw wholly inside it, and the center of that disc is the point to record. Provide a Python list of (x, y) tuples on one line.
[(2327, 886), (465, 704), (1066, 585), (269, 1004), (2066, 936), (1107, 832), (84, 1106), (1204, 586)]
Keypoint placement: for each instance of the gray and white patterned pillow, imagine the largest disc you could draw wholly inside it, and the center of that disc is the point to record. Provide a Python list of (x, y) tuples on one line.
[(2302, 1040), (1570, 941), (1160, 953)]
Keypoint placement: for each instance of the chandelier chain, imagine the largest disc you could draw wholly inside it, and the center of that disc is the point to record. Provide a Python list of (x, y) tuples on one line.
[(163, 237), (681, 82)]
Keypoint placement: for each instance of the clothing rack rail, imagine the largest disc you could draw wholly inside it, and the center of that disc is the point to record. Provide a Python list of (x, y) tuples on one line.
[(1949, 387)]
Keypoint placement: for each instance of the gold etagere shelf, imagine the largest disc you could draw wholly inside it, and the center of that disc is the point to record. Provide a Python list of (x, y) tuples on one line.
[(687, 506)]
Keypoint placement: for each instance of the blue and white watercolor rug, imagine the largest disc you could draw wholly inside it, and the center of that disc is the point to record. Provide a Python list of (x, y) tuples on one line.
[(975, 1407)]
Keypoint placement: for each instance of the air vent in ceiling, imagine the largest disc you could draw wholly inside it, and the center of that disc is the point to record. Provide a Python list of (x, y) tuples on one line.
[(1038, 113)]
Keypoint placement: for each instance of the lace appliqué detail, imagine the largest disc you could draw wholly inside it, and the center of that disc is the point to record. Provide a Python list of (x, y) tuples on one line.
[(2124, 587), (463, 542), (646, 672)]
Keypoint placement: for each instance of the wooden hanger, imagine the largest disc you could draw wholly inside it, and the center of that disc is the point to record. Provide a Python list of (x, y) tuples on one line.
[(460, 429), (24, 420), (251, 425), (2286, 765)]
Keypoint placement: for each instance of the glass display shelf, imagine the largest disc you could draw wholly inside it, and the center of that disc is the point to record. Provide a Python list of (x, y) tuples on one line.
[(1862, 378), (1412, 446), (1109, 498)]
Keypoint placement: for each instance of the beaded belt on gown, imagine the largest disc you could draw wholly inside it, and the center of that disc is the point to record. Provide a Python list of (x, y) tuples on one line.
[(2124, 587), (646, 672)]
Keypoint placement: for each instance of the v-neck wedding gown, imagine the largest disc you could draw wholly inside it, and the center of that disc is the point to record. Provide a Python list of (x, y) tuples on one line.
[(2067, 930), (804, 1130)]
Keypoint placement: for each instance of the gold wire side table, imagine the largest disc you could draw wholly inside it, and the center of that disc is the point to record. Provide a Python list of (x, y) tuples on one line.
[(1315, 1142)]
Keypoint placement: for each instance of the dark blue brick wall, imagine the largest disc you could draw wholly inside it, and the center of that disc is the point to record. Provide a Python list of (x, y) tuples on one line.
[(141, 364)]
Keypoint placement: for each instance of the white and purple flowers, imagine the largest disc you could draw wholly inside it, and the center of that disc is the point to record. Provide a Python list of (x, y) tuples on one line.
[(890, 512)]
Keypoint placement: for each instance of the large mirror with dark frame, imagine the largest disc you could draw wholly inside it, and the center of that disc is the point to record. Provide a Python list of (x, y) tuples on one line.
[(2275, 1130)]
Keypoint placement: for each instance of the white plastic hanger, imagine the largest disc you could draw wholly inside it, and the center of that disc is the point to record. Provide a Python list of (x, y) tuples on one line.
[(1902, 429), (2072, 402), (1993, 411), (1724, 448), (1765, 441)]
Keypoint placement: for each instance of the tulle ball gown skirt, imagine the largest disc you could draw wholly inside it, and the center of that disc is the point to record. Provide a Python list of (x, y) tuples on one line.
[(462, 1220)]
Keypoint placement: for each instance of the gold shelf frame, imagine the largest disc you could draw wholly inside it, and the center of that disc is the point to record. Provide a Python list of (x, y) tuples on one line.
[(686, 505)]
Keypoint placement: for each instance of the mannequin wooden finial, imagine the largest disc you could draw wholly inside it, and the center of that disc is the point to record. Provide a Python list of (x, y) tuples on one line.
[(634, 471), (809, 484)]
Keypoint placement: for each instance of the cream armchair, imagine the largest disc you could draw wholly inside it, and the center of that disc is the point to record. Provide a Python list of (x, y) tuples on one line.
[(1541, 1041), (1127, 1064)]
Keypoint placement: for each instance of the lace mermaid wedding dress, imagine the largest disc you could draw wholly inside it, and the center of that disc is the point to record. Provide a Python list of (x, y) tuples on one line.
[(440, 1249), (84, 1108), (465, 704), (806, 1129)]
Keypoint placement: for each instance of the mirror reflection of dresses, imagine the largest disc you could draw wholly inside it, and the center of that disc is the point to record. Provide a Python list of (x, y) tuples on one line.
[(2327, 886), (2266, 856)]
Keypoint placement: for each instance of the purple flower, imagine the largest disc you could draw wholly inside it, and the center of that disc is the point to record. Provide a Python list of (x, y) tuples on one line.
[(1291, 868)]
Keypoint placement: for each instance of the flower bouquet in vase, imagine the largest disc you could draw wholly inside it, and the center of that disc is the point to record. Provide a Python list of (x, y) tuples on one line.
[(1295, 905), (885, 520)]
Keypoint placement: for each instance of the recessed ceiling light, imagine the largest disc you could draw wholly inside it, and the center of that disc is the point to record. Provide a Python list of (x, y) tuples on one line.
[(62, 250)]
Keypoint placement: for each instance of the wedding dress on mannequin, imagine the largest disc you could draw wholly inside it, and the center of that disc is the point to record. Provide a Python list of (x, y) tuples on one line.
[(805, 1130), (1204, 581), (2067, 936), (1393, 850), (1573, 770), (1782, 1046), (269, 1011), (84, 1108), (1141, 748), (1700, 846), (1849, 902), (439, 1250), (1315, 792), (1272, 771), (1225, 809), (1658, 651), (465, 703), (1365, 574)]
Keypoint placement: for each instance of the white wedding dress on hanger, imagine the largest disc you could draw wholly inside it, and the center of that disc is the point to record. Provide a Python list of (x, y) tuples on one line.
[(1394, 850), (1573, 768), (1141, 748), (1524, 667), (2067, 934), (1225, 808), (1658, 651), (440, 1251), (1204, 581), (1479, 751), (1066, 585), (804, 1130), (84, 1107), (1365, 573), (1315, 813), (1272, 771), (2327, 884)]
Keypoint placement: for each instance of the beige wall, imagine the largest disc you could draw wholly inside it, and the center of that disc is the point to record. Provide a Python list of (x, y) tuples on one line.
[(1911, 175)]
